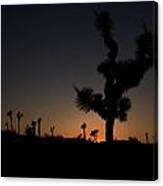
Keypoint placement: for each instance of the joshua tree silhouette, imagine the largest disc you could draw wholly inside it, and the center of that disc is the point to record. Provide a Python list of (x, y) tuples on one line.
[(83, 127), (146, 137), (39, 126), (9, 114), (119, 76), (52, 128), (93, 134), (19, 116)]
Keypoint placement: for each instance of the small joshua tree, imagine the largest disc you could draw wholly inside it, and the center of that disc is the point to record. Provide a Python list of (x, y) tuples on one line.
[(52, 128), (147, 137), (19, 116), (9, 114), (39, 126), (94, 134), (83, 127)]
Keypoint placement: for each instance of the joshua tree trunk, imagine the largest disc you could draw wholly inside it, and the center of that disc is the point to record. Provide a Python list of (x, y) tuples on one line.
[(109, 130), (39, 129), (39, 126), (18, 126)]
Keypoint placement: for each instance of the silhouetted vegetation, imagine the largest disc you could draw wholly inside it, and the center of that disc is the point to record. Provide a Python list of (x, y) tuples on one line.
[(83, 127), (146, 137), (52, 128), (31, 130), (94, 133), (133, 140), (19, 116), (39, 126), (32, 154), (9, 114), (119, 76)]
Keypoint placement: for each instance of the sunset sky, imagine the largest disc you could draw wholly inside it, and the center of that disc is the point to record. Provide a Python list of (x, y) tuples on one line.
[(48, 48)]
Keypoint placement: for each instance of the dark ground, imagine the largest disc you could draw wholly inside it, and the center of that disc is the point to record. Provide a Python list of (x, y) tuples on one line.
[(34, 157)]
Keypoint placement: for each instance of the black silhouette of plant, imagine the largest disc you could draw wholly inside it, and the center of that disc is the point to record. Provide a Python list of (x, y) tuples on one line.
[(39, 126), (19, 116), (31, 130), (119, 76), (147, 137), (9, 114), (83, 127), (94, 134), (52, 128)]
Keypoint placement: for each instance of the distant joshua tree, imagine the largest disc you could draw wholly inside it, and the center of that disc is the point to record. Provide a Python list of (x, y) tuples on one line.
[(19, 116), (119, 76), (52, 128), (147, 137), (83, 127), (9, 114), (94, 134), (39, 126)]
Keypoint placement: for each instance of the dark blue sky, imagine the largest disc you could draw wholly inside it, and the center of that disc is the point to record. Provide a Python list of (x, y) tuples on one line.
[(47, 48)]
